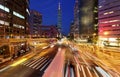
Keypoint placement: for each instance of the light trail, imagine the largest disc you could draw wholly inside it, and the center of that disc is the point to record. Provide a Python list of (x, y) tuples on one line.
[(19, 62), (103, 73), (83, 71), (95, 73), (89, 72)]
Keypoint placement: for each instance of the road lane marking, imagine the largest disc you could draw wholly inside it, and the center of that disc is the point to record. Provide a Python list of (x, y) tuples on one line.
[(42, 64), (45, 64), (39, 63), (31, 62), (35, 62)]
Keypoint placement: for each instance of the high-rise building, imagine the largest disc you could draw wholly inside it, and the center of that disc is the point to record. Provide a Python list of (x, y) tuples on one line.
[(48, 31), (88, 17), (85, 18), (109, 22), (59, 23), (14, 18), (76, 27), (35, 23)]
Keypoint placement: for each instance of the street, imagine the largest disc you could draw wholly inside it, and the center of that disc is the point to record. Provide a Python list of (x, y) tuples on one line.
[(62, 59)]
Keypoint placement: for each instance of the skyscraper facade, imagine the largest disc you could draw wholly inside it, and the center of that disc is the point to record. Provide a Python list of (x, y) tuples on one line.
[(59, 23), (35, 23), (76, 26), (85, 18), (13, 18), (109, 22), (88, 8)]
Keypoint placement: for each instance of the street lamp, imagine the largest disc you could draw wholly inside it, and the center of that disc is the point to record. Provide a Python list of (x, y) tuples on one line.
[(106, 33)]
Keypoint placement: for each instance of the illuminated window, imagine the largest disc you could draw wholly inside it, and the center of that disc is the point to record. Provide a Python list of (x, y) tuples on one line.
[(113, 25), (110, 21), (4, 8), (100, 6), (4, 22), (18, 15), (108, 12), (27, 11), (111, 12), (105, 13), (18, 26), (114, 20)]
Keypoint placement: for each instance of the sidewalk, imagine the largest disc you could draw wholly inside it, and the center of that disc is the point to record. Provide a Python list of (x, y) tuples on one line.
[(4, 60)]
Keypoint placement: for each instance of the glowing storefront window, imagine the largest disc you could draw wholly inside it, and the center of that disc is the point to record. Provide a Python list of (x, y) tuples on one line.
[(4, 22), (18, 15), (1, 22), (112, 39), (4, 8)]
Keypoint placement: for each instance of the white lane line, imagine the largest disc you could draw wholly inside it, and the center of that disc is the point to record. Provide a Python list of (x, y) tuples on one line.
[(83, 71), (45, 65), (42, 64), (26, 62), (89, 72), (35, 62), (31, 62), (95, 73), (39, 63), (4, 68)]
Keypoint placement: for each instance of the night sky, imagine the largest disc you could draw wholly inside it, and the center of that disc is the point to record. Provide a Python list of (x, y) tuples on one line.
[(48, 8)]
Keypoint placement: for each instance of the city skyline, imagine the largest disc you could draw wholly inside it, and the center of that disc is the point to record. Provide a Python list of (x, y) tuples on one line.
[(32, 45), (49, 10)]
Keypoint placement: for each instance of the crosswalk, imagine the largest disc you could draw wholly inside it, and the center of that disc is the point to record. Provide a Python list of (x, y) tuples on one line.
[(38, 64)]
